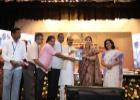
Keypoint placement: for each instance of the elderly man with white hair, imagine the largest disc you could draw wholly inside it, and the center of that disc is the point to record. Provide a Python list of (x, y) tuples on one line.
[(66, 74)]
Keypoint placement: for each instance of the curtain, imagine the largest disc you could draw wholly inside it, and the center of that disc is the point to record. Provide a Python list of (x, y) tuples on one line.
[(12, 11)]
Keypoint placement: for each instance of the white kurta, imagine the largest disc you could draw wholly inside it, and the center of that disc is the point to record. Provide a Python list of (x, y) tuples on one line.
[(66, 74)]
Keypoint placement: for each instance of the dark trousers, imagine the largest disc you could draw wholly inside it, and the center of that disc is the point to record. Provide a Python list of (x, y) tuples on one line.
[(53, 78), (29, 82), (39, 83)]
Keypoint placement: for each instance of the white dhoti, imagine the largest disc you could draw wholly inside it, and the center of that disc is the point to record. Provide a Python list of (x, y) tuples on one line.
[(66, 78), (66, 75)]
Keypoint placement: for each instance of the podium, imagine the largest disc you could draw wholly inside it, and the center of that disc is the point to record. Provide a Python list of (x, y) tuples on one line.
[(94, 93)]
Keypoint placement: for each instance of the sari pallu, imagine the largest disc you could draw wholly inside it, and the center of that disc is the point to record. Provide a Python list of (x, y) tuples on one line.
[(89, 70)]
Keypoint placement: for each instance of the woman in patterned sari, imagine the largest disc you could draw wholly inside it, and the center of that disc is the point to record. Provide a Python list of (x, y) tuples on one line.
[(112, 60), (89, 67)]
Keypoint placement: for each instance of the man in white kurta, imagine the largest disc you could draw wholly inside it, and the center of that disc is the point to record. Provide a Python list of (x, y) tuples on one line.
[(66, 74)]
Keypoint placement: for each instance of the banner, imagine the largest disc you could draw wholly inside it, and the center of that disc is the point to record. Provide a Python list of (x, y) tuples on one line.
[(6, 35), (136, 50)]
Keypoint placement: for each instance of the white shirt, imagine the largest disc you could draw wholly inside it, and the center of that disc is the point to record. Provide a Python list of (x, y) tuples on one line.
[(67, 49), (32, 52), (13, 51), (57, 63)]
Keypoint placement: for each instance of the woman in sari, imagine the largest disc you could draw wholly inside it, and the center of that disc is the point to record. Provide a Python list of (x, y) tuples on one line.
[(89, 67), (112, 60)]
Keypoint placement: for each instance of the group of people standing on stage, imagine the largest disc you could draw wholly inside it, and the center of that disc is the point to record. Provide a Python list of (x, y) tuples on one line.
[(34, 61)]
